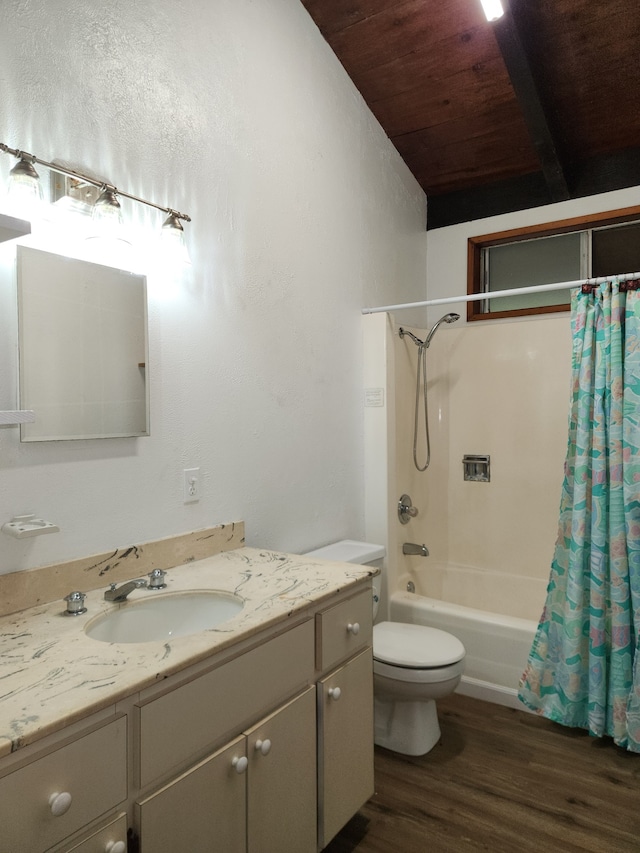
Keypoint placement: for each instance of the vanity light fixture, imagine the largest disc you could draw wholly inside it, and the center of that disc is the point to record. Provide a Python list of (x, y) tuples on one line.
[(107, 208), (107, 236), (25, 191), (492, 9), (172, 239), (107, 205), (23, 178)]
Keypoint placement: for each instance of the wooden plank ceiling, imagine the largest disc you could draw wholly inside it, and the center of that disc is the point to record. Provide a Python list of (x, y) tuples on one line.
[(541, 106)]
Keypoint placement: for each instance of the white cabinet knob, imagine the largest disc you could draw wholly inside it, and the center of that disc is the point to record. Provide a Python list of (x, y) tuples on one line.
[(353, 628), (240, 763), (335, 693), (263, 746), (115, 847), (60, 803)]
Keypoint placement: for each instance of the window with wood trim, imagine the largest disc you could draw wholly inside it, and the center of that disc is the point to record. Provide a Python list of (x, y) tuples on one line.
[(571, 249)]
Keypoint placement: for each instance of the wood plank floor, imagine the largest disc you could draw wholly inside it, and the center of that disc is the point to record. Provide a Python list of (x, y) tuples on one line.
[(502, 781)]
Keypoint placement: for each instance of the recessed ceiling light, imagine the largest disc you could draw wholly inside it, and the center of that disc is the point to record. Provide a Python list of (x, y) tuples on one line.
[(492, 9)]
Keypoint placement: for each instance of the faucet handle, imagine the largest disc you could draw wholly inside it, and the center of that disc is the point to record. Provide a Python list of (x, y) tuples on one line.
[(406, 510), (75, 603), (156, 579)]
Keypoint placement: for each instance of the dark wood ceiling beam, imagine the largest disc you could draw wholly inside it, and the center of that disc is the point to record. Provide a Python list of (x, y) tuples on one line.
[(526, 90), (506, 196)]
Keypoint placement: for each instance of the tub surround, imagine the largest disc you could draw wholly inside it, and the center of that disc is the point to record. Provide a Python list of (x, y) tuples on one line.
[(52, 674)]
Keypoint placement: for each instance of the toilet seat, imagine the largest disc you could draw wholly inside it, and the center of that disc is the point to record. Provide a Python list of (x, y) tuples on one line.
[(409, 675), (417, 647)]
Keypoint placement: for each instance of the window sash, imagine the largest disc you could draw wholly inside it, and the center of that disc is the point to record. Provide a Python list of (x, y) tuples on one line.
[(479, 251)]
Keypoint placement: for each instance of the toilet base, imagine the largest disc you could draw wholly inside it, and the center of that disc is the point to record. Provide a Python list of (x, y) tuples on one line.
[(410, 728)]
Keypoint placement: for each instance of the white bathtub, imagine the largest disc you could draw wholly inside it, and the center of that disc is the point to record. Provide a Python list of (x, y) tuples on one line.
[(497, 644)]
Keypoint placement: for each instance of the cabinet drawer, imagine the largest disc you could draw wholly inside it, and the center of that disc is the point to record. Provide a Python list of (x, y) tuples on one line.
[(183, 723), (92, 769), (114, 833), (335, 637)]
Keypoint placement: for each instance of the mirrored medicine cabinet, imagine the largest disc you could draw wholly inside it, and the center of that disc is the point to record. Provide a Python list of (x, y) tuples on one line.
[(83, 348)]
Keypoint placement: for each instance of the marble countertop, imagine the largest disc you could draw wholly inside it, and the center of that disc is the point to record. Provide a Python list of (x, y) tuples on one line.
[(52, 674)]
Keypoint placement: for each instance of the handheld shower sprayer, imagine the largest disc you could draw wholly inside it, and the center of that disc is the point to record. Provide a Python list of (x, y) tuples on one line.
[(448, 318), (422, 368)]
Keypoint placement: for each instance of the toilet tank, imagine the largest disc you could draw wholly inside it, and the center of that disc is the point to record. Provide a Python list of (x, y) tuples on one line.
[(353, 551)]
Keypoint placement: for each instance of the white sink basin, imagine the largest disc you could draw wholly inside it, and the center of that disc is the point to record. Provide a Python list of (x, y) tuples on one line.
[(163, 617)]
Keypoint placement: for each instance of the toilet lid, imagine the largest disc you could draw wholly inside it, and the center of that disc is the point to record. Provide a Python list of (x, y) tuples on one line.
[(415, 646)]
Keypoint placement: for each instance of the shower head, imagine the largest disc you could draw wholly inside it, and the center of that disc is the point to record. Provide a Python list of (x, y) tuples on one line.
[(402, 332), (448, 318)]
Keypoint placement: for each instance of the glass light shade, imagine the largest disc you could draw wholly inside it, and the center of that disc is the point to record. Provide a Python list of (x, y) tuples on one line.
[(24, 192), (492, 9), (106, 241), (174, 247), (107, 213)]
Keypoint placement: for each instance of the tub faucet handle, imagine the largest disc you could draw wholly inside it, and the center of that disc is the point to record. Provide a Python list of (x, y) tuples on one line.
[(406, 509)]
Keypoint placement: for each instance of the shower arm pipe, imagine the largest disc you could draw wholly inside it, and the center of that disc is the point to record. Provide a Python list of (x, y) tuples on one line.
[(514, 291), (95, 182)]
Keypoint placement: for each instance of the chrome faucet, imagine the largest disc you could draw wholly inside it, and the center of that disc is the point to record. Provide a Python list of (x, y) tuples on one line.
[(412, 549), (119, 593)]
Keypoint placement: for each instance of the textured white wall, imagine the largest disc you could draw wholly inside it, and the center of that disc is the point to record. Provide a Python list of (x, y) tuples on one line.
[(238, 113)]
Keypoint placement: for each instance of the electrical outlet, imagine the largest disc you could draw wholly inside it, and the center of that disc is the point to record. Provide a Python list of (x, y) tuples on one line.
[(191, 485)]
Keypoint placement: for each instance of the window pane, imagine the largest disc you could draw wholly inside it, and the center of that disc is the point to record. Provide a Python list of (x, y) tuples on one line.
[(616, 250), (530, 262)]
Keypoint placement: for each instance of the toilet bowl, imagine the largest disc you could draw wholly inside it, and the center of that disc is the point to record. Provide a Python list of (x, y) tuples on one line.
[(413, 665)]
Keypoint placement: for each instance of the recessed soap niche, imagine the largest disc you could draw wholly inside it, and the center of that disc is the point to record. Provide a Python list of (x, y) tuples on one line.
[(477, 467)]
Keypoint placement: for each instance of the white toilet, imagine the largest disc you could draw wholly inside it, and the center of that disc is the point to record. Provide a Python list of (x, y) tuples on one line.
[(412, 665)]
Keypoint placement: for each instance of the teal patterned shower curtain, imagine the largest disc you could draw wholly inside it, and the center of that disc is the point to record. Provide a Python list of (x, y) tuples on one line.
[(584, 665)]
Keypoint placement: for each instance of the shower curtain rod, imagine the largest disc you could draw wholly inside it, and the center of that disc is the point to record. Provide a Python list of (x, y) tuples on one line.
[(515, 291)]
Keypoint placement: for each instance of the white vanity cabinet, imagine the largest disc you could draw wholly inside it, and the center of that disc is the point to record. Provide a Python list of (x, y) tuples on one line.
[(282, 779), (61, 790), (307, 766), (188, 720), (111, 838), (264, 747), (203, 809), (344, 636), (256, 794), (345, 735)]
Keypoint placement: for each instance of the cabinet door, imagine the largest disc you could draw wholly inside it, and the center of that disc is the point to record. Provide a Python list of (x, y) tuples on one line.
[(345, 746), (282, 779), (203, 811)]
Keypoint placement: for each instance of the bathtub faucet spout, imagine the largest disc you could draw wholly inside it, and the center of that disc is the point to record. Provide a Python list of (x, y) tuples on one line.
[(412, 549)]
